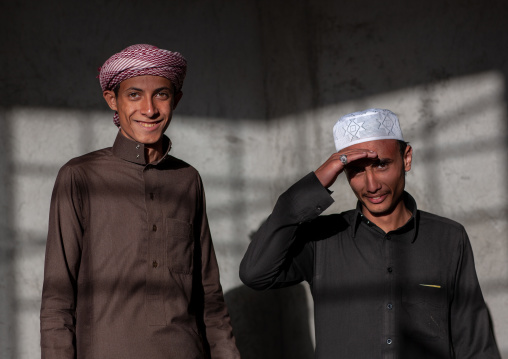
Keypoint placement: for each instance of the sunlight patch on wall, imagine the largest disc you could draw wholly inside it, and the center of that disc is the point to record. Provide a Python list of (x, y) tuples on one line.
[(41, 141), (457, 128)]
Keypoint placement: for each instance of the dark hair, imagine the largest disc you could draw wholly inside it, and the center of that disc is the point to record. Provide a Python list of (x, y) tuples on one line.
[(116, 89), (402, 147)]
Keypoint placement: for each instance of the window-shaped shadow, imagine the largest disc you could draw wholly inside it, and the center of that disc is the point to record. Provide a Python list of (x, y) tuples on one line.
[(271, 324)]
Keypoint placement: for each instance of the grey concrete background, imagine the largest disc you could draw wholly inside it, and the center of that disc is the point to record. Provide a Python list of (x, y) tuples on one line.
[(266, 82)]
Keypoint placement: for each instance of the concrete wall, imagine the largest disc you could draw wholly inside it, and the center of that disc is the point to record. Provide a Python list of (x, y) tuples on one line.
[(266, 82)]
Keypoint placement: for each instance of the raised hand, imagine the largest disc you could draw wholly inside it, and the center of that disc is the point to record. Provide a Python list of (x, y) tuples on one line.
[(328, 172)]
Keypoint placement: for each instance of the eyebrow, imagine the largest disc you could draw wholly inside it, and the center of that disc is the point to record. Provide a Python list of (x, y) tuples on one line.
[(163, 88), (156, 90), (382, 161), (132, 89)]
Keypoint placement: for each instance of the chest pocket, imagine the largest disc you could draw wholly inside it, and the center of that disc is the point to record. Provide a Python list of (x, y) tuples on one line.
[(425, 308), (179, 246)]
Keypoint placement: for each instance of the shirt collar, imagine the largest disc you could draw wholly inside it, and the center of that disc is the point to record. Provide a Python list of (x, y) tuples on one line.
[(407, 232), (133, 151)]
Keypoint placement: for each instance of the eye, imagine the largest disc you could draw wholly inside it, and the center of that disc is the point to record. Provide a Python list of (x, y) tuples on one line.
[(163, 95), (354, 169), (133, 95), (380, 165)]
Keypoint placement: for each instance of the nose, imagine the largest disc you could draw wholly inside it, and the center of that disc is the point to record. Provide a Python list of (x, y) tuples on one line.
[(149, 109), (371, 182)]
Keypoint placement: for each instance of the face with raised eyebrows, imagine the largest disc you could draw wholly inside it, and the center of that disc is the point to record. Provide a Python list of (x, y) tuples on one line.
[(145, 106), (378, 183)]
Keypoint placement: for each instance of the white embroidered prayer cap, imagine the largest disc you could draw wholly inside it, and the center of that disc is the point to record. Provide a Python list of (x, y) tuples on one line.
[(369, 125)]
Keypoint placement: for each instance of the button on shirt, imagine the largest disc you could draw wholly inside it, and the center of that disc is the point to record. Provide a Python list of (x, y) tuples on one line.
[(410, 293), (130, 269)]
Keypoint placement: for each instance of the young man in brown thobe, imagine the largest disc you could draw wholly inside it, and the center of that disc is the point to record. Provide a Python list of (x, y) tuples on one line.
[(130, 269)]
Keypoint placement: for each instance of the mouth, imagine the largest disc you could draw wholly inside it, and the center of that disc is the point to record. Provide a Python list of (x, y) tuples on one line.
[(376, 199), (148, 125)]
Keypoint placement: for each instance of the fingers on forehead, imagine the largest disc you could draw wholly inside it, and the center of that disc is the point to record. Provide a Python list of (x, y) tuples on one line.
[(360, 160), (358, 153)]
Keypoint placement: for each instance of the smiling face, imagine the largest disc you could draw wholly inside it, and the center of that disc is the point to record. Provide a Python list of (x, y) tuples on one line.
[(379, 183), (145, 105)]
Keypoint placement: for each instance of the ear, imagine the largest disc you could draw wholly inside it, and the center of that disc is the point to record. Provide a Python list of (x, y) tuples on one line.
[(177, 98), (408, 158), (110, 98)]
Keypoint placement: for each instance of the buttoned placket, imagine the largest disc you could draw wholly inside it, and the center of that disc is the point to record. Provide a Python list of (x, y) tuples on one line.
[(155, 251), (389, 310), (388, 307)]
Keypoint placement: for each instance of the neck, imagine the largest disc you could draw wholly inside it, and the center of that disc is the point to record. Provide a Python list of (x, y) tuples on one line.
[(390, 221), (154, 152)]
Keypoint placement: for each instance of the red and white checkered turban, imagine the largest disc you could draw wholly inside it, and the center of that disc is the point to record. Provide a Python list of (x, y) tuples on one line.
[(139, 60)]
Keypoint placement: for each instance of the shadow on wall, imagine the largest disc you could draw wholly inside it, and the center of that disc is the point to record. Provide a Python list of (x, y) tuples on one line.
[(256, 60), (251, 59), (279, 318)]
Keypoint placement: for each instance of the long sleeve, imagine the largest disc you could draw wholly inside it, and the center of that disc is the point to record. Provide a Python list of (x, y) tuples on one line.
[(470, 323), (219, 333), (130, 269), (63, 251), (278, 255)]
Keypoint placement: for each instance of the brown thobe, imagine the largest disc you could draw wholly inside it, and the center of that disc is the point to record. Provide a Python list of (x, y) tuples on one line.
[(130, 270)]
